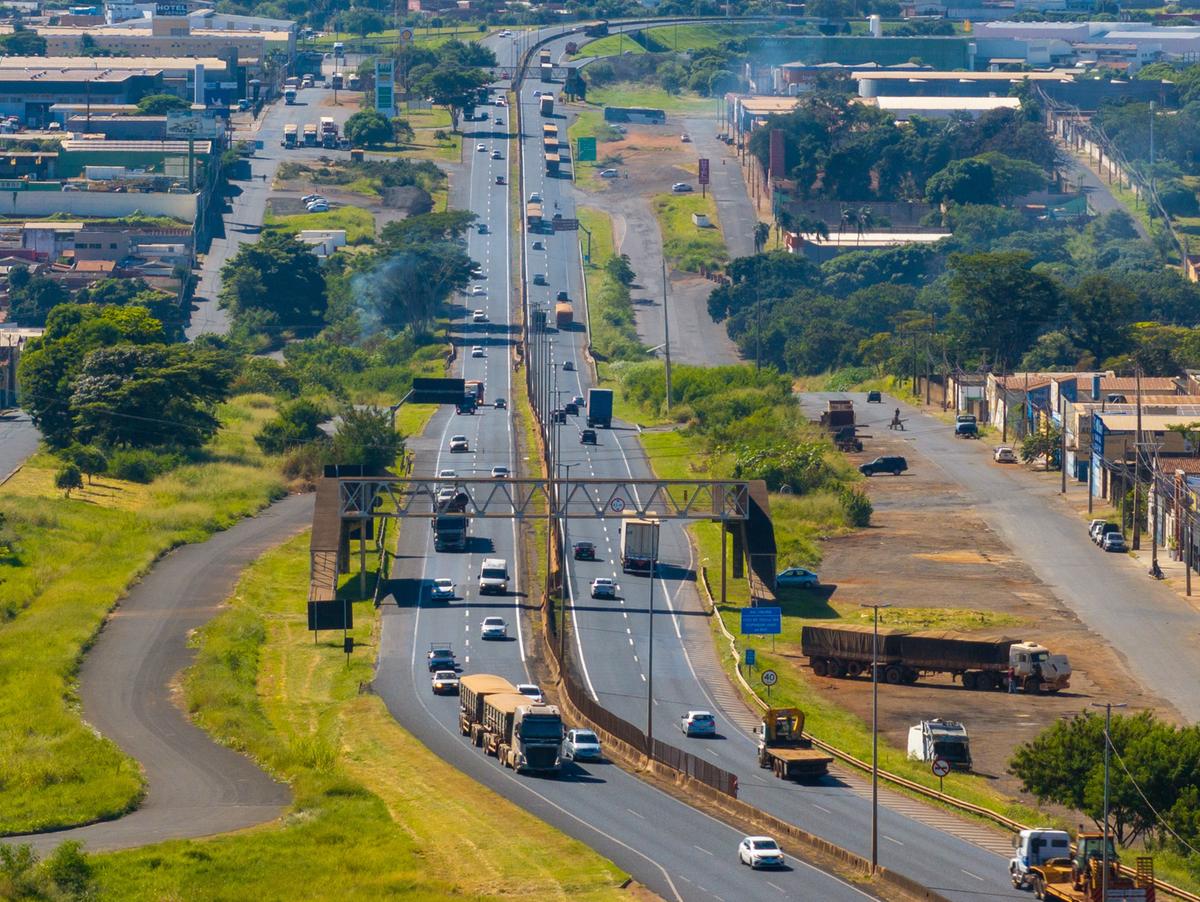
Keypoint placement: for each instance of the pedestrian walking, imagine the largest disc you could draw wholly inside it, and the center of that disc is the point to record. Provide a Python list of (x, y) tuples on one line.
[(1012, 680)]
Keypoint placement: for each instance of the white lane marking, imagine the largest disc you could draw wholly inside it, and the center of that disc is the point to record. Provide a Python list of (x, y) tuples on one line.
[(631, 811), (821, 808), (702, 849), (969, 874), (777, 886), (890, 839)]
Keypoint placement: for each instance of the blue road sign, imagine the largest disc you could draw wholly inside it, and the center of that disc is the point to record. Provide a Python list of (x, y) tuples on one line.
[(766, 621), (750, 657)]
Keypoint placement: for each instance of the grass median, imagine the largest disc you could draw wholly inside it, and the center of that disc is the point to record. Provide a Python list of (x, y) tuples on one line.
[(686, 245), (610, 309), (73, 560), (376, 814)]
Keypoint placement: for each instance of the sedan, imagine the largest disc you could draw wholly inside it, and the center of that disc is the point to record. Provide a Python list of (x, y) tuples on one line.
[(1114, 541), (496, 155), (442, 589), (698, 723), (532, 692), (569, 367), (481, 148), (445, 682), (478, 291), (1004, 455), (483, 228), (538, 246), (608, 173), (539, 279), (479, 316), (797, 576), (493, 628), (447, 474), (500, 404), (309, 198), (584, 551), (580, 745), (603, 587), (681, 187), (318, 206), (499, 121), (477, 351), (458, 444), (760, 852), (500, 473), (578, 401)]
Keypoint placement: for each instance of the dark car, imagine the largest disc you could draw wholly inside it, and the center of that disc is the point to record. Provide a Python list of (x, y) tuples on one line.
[(562, 296), (584, 551), (571, 409), (500, 404), (966, 430), (893, 465), (587, 436), (558, 416), (874, 397)]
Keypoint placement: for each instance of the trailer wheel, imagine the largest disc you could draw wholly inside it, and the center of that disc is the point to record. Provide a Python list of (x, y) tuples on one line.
[(819, 667), (853, 668), (968, 680), (893, 675), (911, 676), (1032, 685), (837, 669)]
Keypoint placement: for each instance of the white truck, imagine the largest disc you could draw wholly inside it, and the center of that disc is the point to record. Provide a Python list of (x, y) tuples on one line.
[(493, 576), (1033, 848), (947, 739), (639, 545)]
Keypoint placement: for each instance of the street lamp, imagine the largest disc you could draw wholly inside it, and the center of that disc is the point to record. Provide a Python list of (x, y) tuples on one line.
[(650, 649), (875, 735), (1107, 706)]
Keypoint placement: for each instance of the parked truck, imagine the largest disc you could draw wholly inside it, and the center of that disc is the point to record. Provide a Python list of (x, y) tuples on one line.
[(980, 661), (946, 739), (450, 532), (546, 104), (329, 132), (785, 750), (837, 414), (1080, 877), (1035, 847), (639, 545), (472, 690), (310, 134), (599, 409), (522, 735), (564, 315), (289, 135)]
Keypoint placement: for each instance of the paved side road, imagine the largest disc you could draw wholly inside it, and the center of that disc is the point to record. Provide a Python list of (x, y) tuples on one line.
[(18, 439), (195, 787)]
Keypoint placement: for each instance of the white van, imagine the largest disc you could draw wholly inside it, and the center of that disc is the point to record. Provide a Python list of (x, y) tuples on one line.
[(493, 576)]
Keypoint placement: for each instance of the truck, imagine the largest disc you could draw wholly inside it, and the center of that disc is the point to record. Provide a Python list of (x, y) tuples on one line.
[(1034, 847), (289, 135), (784, 749), (472, 690), (546, 104), (353, 81), (596, 29), (450, 532), (336, 80), (980, 661), (837, 414), (544, 57), (639, 545), (945, 739), (310, 134), (533, 215), (474, 388), (599, 409), (289, 96), (329, 132), (564, 315), (547, 71), (553, 163), (1080, 877), (572, 48), (522, 735)]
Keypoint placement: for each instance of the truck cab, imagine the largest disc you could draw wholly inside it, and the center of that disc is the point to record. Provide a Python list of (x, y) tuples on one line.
[(1037, 670), (1033, 848)]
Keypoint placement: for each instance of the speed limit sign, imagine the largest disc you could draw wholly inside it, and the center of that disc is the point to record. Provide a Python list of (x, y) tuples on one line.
[(769, 677), (941, 767)]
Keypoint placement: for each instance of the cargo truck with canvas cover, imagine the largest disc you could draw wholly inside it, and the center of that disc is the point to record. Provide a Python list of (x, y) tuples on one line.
[(524, 736), (472, 690)]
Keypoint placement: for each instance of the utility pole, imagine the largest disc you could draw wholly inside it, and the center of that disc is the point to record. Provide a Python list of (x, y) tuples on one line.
[(666, 333), (650, 650), (1062, 449), (875, 737), (1137, 464), (1107, 706)]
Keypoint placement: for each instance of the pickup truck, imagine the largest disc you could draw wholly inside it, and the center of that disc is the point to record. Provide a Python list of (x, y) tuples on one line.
[(441, 657)]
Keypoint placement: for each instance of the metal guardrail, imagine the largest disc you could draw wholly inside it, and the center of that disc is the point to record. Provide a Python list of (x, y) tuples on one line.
[(911, 785)]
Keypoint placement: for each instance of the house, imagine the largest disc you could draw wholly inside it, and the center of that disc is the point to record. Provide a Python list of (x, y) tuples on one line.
[(1077, 415), (1115, 445)]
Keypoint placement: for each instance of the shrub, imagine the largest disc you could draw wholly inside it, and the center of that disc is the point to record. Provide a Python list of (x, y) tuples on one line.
[(142, 464), (68, 478), (305, 464), (856, 506)]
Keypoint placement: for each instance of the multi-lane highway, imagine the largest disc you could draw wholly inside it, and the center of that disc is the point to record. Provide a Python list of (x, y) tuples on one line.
[(622, 817)]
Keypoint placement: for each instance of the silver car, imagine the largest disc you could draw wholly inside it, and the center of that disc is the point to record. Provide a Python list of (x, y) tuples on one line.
[(581, 745)]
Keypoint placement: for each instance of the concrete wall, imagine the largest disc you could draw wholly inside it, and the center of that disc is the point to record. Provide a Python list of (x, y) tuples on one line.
[(33, 204)]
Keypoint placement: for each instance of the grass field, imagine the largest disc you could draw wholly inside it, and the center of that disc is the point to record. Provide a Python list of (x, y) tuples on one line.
[(687, 246), (358, 223), (74, 559), (649, 96), (610, 310), (424, 37), (376, 814), (611, 45)]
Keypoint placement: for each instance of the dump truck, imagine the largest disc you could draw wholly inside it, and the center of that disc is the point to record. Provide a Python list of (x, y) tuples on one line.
[(946, 739), (596, 29), (981, 661), (564, 315), (533, 215), (289, 135), (472, 690), (521, 734), (310, 134), (553, 163), (785, 750), (1080, 877), (450, 532), (837, 414), (639, 545), (546, 104), (599, 409)]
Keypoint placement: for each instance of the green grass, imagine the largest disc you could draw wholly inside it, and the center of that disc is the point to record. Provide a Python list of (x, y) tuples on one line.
[(610, 310), (649, 96), (686, 246), (590, 123), (75, 558), (358, 223), (700, 37), (423, 37), (372, 805), (611, 45)]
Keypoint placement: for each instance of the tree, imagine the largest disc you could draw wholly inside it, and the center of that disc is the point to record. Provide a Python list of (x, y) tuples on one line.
[(970, 181), (402, 131), (89, 459), (23, 42), (619, 268), (68, 478), (1100, 309), (369, 128), (454, 87), (366, 437), (31, 298), (1044, 444), (277, 274), (671, 75), (362, 21), (296, 424), (762, 231), (161, 104)]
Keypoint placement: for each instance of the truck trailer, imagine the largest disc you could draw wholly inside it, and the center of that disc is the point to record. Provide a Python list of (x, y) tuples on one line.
[(546, 104), (564, 315), (785, 750), (450, 532), (553, 163), (980, 661), (547, 72), (599, 409), (522, 735), (533, 215), (310, 134), (639, 545), (472, 690)]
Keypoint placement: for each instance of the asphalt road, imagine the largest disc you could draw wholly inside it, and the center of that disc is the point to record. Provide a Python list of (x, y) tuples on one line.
[(612, 644), (18, 439), (1152, 628), (195, 787), (601, 805)]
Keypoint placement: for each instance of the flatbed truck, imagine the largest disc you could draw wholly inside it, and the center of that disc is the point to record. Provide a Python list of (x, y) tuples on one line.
[(1080, 877), (785, 750)]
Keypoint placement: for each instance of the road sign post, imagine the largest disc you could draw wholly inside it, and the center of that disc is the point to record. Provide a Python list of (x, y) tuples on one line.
[(769, 679), (703, 177), (940, 768)]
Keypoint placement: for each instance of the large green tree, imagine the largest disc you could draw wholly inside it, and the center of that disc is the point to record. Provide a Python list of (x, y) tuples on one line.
[(278, 275), (369, 128), (454, 87), (365, 436)]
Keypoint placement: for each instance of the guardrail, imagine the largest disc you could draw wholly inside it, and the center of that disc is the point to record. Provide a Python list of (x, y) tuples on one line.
[(911, 785)]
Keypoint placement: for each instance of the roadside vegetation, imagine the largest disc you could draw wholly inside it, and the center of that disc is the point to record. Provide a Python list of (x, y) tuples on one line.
[(609, 277), (368, 796), (687, 246), (370, 177), (358, 223)]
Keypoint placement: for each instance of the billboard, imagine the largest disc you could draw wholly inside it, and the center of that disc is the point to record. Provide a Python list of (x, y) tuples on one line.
[(188, 124), (703, 171), (385, 87), (766, 621)]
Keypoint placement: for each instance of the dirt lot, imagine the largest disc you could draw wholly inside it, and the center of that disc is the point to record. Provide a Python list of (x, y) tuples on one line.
[(653, 157), (925, 550)]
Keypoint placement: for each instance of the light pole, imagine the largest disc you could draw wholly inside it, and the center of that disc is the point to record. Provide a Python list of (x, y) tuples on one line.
[(875, 736), (565, 583), (650, 650), (1107, 706)]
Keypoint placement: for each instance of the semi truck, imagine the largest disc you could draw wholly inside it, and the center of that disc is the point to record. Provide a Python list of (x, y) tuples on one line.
[(329, 132), (289, 95), (599, 409), (546, 104), (289, 135), (474, 388), (544, 57), (980, 661), (785, 750), (1080, 877), (564, 315), (533, 215), (946, 739), (553, 163), (353, 82), (310, 134), (472, 690), (547, 72), (522, 735), (450, 532), (336, 80), (639, 545)]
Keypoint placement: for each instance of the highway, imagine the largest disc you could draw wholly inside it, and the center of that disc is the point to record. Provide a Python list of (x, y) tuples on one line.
[(611, 638), (599, 804)]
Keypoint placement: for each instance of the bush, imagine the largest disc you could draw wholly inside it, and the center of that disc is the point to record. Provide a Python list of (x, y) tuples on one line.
[(296, 424), (68, 478), (142, 464), (306, 463), (856, 506)]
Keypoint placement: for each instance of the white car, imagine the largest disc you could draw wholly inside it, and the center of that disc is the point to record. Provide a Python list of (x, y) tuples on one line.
[(493, 628), (496, 155), (442, 588), (760, 852), (685, 138), (445, 682), (318, 206), (478, 291), (1004, 455), (309, 198), (447, 474), (603, 587), (608, 173), (504, 34), (477, 351), (459, 444), (532, 692), (797, 576), (500, 473), (698, 723), (479, 316), (481, 148), (681, 187), (535, 198), (500, 101), (581, 744)]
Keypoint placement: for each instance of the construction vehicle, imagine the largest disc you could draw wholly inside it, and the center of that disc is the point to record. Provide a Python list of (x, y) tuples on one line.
[(639, 545), (945, 739), (521, 734), (1036, 847), (599, 408), (837, 414), (546, 104), (980, 661), (846, 439), (564, 315), (310, 134), (450, 532), (472, 690), (784, 749), (289, 135), (1081, 878)]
